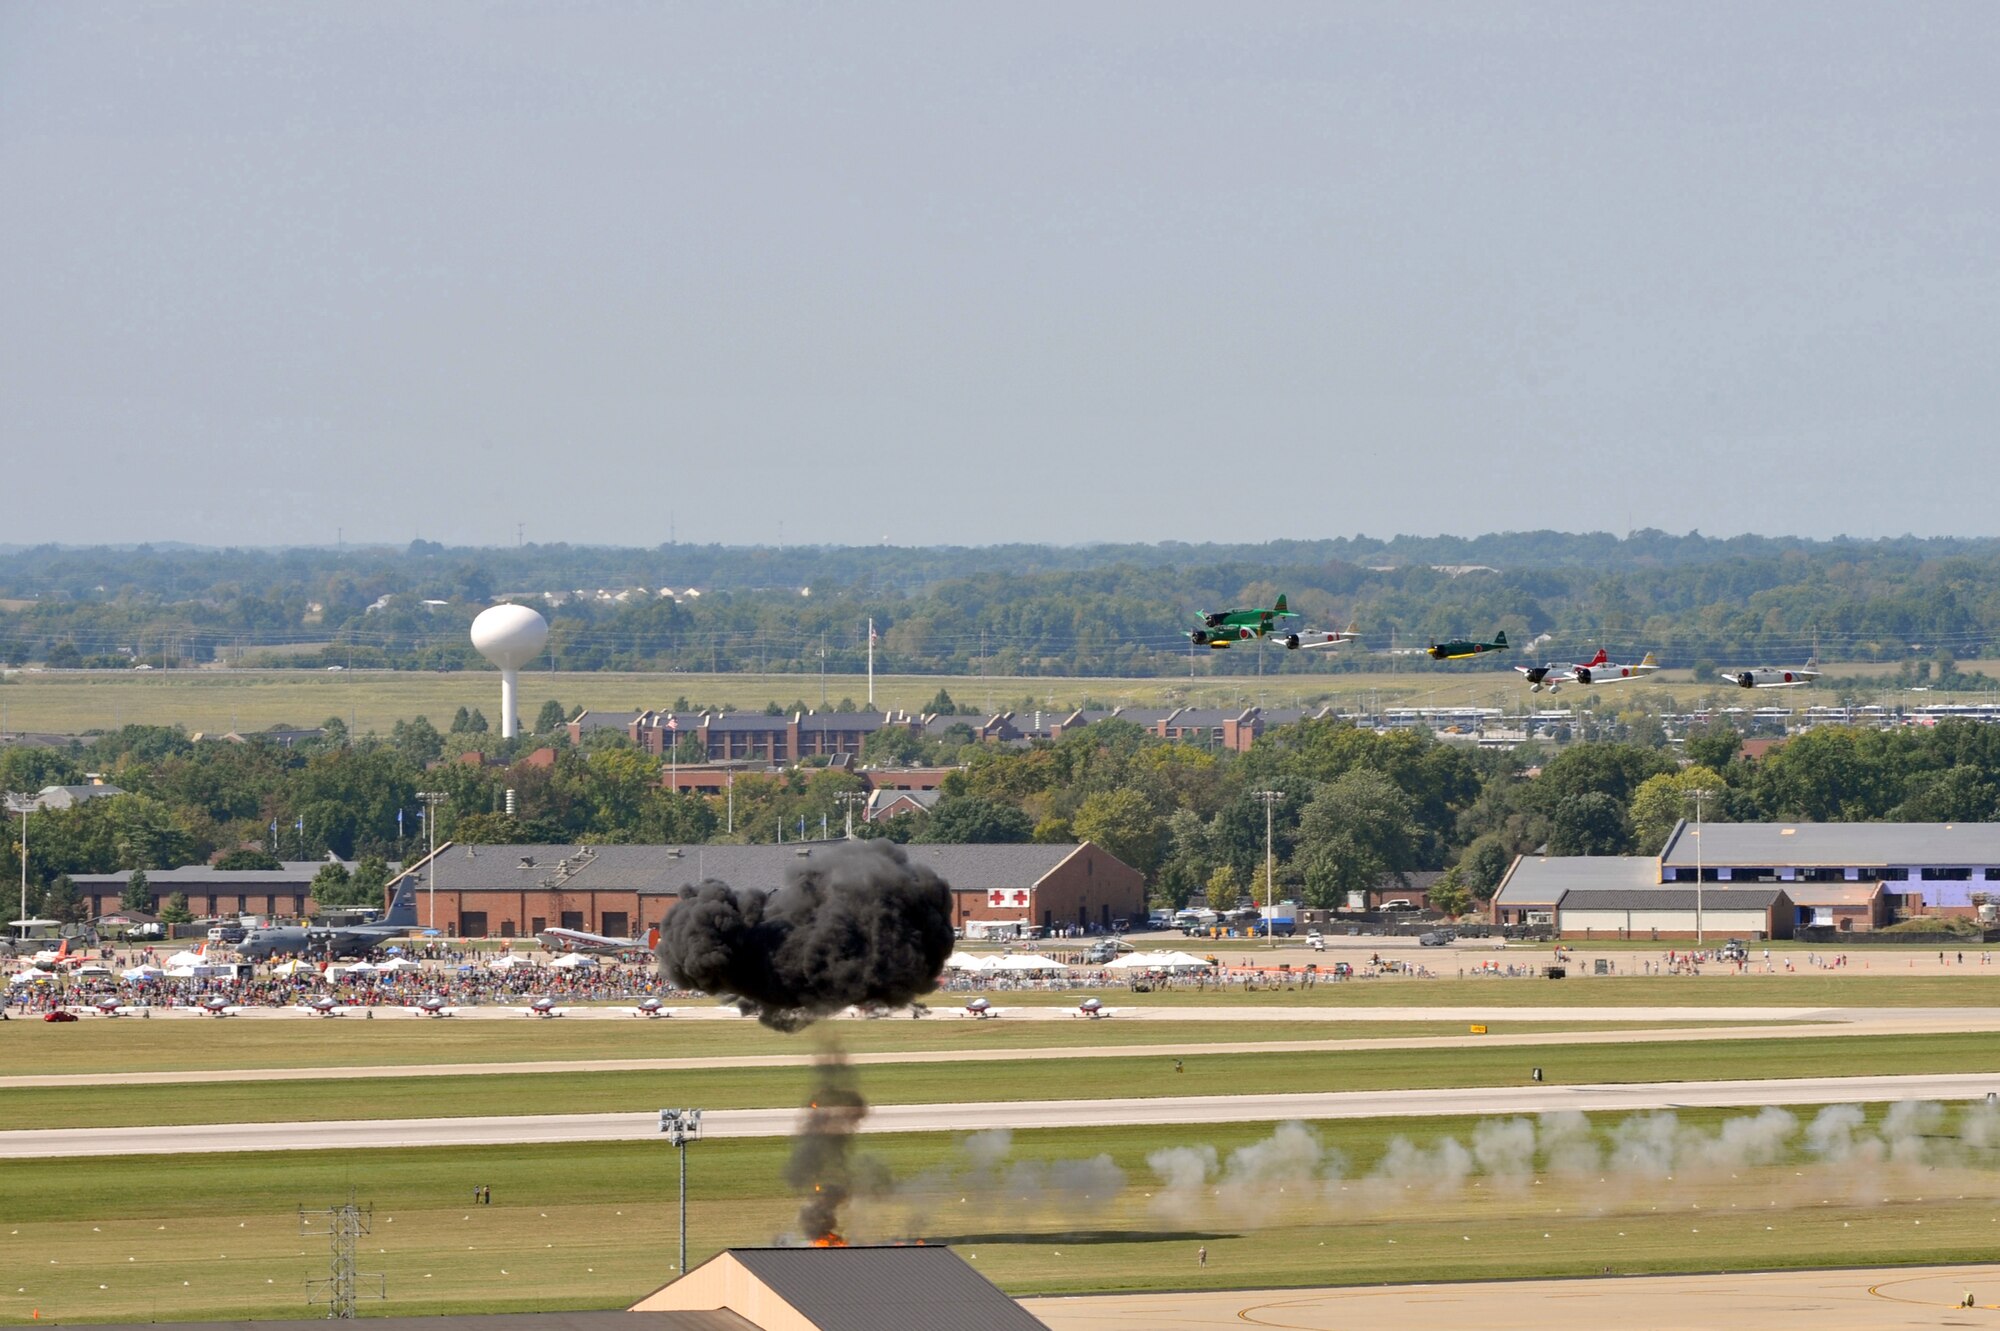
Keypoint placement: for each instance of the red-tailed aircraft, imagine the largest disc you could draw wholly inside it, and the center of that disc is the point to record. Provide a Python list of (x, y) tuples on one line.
[(1599, 669), (650, 1008)]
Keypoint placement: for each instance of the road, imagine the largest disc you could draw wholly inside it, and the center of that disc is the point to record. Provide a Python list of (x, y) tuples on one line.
[(1839, 1300), (1484, 1101)]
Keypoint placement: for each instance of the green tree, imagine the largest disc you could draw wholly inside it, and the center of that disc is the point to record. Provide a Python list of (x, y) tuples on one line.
[(461, 721), (61, 902), (476, 723), (332, 886), (551, 718), (1589, 824), (417, 740), (1124, 823), (1358, 830), (1223, 889), (972, 819), (1483, 865), (1713, 746), (1450, 894), (242, 859), (942, 705), (138, 893), (1664, 800), (176, 910), (1185, 867)]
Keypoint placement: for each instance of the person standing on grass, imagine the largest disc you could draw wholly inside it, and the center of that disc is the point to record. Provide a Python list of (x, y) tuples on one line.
[(1201, 1256)]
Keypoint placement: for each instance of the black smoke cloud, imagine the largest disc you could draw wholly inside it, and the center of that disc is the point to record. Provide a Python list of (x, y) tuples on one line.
[(856, 923)]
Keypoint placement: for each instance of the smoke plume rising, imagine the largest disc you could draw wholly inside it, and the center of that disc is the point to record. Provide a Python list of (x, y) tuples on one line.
[(856, 923), (821, 1167)]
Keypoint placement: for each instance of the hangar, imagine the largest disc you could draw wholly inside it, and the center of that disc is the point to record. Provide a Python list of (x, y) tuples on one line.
[(513, 891)]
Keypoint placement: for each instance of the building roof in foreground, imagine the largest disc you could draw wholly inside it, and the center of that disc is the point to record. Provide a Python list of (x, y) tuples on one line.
[(900, 1288), (1834, 845)]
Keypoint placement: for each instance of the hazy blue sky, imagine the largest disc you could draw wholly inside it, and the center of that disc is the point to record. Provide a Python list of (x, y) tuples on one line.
[(976, 273)]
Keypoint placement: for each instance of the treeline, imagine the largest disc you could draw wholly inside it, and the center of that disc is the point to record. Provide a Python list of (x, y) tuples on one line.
[(1352, 810), (1014, 610)]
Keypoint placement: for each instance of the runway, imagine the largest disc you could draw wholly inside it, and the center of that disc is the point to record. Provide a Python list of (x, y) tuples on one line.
[(1839, 1300), (1817, 1028), (1022, 1114)]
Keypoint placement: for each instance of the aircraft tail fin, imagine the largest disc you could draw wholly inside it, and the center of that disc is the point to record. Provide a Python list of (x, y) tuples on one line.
[(1500, 638), (1649, 660), (1601, 658), (653, 939), (403, 909), (1280, 606), (1354, 627)]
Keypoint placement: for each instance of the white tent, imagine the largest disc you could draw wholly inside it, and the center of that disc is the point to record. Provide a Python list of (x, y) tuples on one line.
[(967, 961), (571, 961), (509, 963), (1158, 961), (93, 970), (1024, 965), (359, 968), (143, 973), (294, 967), (180, 972), (397, 965)]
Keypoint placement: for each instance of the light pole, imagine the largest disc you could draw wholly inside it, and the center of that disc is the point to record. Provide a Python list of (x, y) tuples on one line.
[(682, 1126), (850, 798), (23, 805), (430, 799), (1270, 799), (1699, 866)]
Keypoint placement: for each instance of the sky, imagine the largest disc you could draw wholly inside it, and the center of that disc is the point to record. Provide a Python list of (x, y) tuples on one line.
[(924, 273)]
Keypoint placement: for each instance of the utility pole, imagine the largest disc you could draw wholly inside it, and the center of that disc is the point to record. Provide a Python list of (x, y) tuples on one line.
[(22, 804), (850, 798), (1270, 800), (682, 1126), (430, 799), (339, 1289), (871, 662), (1699, 866)]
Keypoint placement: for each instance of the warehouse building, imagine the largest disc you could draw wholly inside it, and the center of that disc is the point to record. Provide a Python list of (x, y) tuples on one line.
[(282, 893), (1922, 868), (520, 890), (1650, 913)]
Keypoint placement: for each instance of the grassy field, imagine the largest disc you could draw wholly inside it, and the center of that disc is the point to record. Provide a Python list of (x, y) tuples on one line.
[(188, 1045), (1045, 1078), (224, 700), (593, 1225)]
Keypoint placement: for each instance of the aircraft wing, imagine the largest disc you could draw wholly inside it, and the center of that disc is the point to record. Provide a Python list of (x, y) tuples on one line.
[(1310, 639)]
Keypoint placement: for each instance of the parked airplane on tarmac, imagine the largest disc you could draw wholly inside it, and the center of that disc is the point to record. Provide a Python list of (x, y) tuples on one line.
[(349, 940), (575, 940)]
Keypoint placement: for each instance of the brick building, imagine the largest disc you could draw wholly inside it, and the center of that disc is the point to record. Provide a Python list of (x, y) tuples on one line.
[(283, 893), (518, 891)]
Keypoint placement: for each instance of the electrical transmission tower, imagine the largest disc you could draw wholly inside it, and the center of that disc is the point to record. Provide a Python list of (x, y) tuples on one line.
[(341, 1285)]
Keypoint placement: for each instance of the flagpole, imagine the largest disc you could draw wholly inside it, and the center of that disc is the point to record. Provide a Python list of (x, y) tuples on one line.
[(871, 662)]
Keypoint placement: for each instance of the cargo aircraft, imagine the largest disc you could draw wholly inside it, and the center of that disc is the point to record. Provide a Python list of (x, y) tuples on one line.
[(348, 940), (575, 940)]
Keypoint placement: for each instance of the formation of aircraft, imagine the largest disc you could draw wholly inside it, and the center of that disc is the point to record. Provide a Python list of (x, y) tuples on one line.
[(1766, 677), (1221, 629), (1599, 669), (1461, 649), (575, 940), (352, 940)]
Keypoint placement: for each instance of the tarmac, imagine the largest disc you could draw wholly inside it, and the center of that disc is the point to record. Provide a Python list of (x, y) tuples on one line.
[(1017, 1114), (1825, 1300)]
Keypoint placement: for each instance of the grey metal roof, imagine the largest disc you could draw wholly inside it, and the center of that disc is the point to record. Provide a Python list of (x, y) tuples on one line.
[(661, 868), (885, 1289), (292, 871), (1670, 898), (551, 1321), (1540, 880), (66, 797), (604, 720), (866, 721), (1836, 844)]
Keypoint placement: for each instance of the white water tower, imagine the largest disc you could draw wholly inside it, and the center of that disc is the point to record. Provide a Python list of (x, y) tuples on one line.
[(509, 636)]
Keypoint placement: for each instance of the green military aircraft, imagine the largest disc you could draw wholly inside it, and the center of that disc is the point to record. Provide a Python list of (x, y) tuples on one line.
[(1459, 649), (1220, 628)]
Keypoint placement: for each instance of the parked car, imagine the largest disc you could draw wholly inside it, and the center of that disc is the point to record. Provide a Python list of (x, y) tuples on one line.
[(58, 1014)]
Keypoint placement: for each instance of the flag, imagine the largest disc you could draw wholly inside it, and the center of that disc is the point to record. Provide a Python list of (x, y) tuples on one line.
[(672, 724), (399, 823), (274, 827), (302, 825)]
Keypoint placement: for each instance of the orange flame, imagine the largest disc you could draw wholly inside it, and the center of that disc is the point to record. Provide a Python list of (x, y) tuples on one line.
[(829, 1241)]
